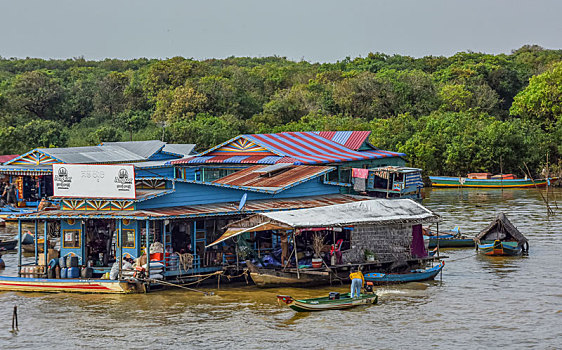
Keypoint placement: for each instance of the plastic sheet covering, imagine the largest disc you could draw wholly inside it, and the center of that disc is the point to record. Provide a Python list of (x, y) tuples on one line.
[(376, 211)]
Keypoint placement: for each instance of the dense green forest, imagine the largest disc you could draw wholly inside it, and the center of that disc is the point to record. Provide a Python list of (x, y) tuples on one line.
[(451, 115)]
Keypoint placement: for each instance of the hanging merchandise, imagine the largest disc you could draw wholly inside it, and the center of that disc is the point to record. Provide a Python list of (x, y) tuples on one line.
[(359, 173)]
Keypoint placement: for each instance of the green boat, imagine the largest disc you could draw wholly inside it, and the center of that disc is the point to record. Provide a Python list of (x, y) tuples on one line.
[(326, 303), (447, 181)]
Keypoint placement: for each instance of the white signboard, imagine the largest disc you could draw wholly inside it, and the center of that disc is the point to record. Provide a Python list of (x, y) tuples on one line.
[(94, 181)]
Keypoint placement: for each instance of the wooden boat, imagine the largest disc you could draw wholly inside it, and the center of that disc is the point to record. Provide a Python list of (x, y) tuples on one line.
[(411, 276), (500, 237), (448, 239), (267, 278), (20, 284), (8, 245), (446, 181), (325, 303), (500, 248), (2, 222)]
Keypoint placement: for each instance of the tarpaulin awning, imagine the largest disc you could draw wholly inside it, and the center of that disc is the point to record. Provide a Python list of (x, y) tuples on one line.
[(235, 231), (374, 211)]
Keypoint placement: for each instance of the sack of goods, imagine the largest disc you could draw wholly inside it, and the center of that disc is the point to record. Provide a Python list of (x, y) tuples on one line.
[(156, 268)]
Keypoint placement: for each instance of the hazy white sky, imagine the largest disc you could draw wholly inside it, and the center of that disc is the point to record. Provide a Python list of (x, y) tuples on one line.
[(314, 30)]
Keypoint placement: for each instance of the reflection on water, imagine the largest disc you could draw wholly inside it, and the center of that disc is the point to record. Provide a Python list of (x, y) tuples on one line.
[(512, 301)]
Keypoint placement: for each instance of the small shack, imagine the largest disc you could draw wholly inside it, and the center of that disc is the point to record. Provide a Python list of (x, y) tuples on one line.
[(501, 229)]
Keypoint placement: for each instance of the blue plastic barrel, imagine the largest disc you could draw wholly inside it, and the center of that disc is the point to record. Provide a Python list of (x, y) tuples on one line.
[(53, 263), (73, 272), (64, 272)]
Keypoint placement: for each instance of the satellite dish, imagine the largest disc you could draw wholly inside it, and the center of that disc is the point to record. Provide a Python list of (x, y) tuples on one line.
[(242, 202)]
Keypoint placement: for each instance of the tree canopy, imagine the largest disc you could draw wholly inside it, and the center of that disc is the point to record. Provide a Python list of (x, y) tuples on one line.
[(451, 115)]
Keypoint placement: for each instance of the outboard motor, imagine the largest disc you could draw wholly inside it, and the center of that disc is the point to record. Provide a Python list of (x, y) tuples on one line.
[(369, 287)]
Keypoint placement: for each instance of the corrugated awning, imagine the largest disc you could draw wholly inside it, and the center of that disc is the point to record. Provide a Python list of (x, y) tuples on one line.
[(197, 211), (22, 170)]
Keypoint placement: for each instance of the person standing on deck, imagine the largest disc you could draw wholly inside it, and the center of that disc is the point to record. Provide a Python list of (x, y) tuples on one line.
[(357, 281)]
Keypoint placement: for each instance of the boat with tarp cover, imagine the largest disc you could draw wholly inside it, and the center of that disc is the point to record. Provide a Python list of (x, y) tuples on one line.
[(501, 237), (328, 303)]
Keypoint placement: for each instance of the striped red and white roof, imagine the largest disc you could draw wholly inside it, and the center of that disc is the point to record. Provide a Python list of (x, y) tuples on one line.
[(292, 147)]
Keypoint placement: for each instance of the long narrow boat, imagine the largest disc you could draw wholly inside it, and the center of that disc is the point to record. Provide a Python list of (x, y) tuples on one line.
[(68, 285), (447, 181), (8, 245), (325, 303), (449, 241), (500, 248), (412, 276)]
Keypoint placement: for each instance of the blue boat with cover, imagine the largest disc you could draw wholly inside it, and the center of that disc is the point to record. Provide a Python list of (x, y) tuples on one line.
[(411, 276)]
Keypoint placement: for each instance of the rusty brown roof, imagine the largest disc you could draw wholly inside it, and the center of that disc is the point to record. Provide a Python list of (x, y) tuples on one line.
[(254, 177), (202, 210)]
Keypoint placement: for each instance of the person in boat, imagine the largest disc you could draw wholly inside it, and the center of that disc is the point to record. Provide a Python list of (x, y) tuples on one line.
[(357, 282), (2, 263)]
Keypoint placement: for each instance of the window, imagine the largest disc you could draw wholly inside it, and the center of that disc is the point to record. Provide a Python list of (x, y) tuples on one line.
[(128, 238), (71, 238)]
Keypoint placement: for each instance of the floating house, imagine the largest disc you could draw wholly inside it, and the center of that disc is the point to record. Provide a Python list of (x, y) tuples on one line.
[(161, 202), (344, 150)]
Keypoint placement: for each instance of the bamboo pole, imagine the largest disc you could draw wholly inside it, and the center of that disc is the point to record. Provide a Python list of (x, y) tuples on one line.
[(296, 254), (501, 173), (437, 240), (45, 247), (120, 242), (19, 248), (548, 209), (36, 238)]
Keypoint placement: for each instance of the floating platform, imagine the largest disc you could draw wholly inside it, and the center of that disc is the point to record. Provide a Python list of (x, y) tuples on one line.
[(24, 284)]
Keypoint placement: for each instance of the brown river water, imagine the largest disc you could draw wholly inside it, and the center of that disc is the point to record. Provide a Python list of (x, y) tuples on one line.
[(478, 302)]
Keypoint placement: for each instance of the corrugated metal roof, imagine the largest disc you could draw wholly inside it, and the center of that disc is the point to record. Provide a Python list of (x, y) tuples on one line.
[(250, 177), (181, 149), (92, 154), (7, 157), (298, 148), (257, 206), (350, 139), (145, 149), (204, 210)]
